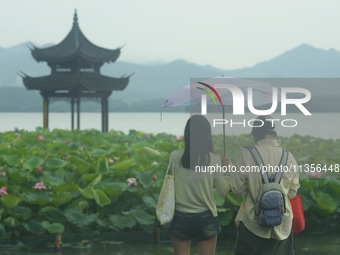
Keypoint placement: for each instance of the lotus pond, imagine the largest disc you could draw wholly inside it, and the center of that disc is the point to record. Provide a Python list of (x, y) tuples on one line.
[(311, 244), (76, 182)]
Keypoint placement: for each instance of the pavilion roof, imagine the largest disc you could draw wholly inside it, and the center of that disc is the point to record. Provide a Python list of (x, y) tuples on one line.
[(86, 82), (74, 45)]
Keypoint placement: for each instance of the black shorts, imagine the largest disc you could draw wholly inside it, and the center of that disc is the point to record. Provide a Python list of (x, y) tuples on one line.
[(200, 226)]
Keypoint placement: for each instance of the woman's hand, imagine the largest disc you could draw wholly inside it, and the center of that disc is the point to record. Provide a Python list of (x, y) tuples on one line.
[(225, 161)]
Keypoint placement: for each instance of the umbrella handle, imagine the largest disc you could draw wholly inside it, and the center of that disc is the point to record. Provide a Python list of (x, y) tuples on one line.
[(224, 138)]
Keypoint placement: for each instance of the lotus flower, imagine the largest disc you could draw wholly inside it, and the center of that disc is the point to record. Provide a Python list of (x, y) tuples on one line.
[(3, 191), (132, 181), (41, 137), (39, 185), (111, 160), (40, 169), (314, 174), (177, 138)]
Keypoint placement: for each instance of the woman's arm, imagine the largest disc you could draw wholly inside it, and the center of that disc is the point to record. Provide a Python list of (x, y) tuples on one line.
[(239, 183)]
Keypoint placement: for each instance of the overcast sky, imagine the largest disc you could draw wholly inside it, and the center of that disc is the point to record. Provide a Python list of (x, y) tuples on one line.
[(224, 33)]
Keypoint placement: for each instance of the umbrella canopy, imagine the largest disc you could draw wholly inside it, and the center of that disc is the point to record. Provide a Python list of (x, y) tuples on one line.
[(225, 91), (222, 86)]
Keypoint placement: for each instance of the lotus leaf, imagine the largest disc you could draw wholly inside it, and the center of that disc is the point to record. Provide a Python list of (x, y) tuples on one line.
[(34, 227), (122, 221), (55, 163), (10, 201), (53, 214), (78, 218), (53, 228), (325, 201)]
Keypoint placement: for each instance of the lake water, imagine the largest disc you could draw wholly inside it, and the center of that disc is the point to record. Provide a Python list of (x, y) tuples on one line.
[(310, 244), (324, 125)]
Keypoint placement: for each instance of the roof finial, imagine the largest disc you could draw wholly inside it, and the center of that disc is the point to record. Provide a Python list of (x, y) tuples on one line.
[(75, 18)]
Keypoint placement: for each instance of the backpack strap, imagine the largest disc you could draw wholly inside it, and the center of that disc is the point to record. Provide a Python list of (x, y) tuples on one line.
[(259, 161), (283, 162)]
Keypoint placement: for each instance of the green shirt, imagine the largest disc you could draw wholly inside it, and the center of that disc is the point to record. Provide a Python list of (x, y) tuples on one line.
[(194, 189)]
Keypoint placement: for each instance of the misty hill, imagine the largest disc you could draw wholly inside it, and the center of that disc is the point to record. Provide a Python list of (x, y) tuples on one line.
[(151, 85), (304, 61)]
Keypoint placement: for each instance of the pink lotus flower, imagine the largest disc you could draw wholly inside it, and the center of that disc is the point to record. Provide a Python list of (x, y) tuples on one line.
[(39, 185), (40, 169), (132, 181), (177, 138), (314, 174), (3, 191), (110, 160), (41, 137), (17, 134)]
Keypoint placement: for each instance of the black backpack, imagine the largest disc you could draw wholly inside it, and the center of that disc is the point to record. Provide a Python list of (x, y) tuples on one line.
[(270, 205)]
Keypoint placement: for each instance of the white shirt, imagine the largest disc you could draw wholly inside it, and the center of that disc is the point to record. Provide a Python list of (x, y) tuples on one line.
[(245, 183)]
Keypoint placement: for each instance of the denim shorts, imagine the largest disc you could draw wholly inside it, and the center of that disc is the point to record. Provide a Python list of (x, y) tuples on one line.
[(200, 226)]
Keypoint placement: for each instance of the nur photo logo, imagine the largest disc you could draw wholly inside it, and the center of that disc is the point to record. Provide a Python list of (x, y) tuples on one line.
[(258, 98), (204, 97)]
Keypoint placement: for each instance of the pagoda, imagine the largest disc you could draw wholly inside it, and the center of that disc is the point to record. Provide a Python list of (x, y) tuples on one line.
[(75, 74)]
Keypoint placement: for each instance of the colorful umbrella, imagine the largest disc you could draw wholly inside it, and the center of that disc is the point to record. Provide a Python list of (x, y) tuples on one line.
[(224, 91)]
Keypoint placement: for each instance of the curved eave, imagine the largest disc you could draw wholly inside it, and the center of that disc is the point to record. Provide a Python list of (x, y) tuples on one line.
[(51, 82), (99, 57), (103, 83), (73, 45), (90, 82)]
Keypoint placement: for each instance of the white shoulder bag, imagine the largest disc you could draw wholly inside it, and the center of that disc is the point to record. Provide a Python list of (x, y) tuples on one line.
[(165, 209)]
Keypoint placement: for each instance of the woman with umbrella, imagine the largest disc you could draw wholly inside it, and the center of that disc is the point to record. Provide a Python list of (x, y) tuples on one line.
[(195, 210)]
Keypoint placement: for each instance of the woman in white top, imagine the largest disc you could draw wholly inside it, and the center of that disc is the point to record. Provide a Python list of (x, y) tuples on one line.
[(196, 214)]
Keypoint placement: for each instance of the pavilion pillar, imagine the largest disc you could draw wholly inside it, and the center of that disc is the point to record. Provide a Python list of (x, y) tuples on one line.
[(105, 114), (45, 112), (72, 113), (78, 113)]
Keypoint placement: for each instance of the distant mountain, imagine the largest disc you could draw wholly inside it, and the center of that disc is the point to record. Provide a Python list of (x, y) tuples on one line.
[(157, 81), (304, 61), (152, 84)]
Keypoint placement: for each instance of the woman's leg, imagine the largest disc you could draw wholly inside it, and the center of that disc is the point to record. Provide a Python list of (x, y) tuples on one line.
[(181, 247), (207, 247)]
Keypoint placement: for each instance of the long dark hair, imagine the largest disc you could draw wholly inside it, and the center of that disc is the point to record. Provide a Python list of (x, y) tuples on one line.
[(197, 142)]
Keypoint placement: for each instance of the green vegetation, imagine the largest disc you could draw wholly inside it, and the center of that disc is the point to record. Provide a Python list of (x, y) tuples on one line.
[(79, 181)]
